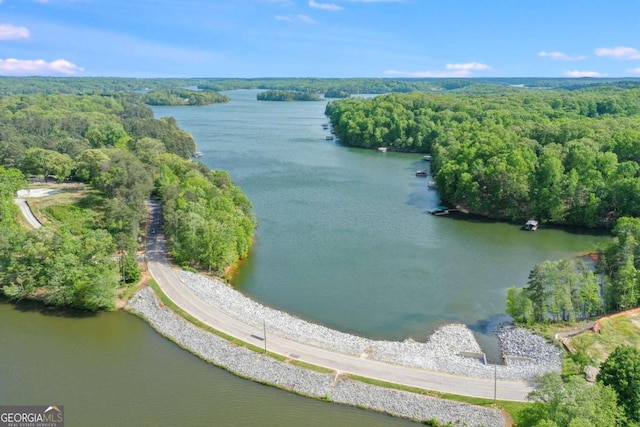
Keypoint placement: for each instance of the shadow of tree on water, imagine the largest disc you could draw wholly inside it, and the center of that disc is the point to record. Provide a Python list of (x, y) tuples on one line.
[(30, 306)]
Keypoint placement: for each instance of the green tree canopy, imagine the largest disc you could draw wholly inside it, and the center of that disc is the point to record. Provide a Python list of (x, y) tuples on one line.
[(561, 157), (570, 403), (621, 371)]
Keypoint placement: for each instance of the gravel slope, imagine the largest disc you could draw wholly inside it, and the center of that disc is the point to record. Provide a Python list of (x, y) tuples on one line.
[(533, 355), (257, 367)]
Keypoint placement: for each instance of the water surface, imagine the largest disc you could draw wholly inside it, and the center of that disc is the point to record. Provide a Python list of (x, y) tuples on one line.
[(112, 369), (345, 239)]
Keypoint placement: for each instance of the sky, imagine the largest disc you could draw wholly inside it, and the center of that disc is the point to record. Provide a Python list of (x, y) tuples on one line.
[(320, 38)]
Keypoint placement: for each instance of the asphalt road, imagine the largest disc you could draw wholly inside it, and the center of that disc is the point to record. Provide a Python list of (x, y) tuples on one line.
[(26, 213), (176, 290)]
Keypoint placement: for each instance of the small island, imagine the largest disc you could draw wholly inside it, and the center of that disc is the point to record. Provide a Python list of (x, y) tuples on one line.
[(337, 93), (287, 95), (177, 97)]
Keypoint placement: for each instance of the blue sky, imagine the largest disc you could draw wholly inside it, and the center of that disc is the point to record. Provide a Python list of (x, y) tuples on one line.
[(320, 38)]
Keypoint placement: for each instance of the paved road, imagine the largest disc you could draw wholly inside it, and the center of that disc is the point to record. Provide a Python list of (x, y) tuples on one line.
[(180, 294), (26, 213)]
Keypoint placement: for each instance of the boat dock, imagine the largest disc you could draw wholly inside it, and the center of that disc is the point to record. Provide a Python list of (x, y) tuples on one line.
[(441, 210), (445, 210)]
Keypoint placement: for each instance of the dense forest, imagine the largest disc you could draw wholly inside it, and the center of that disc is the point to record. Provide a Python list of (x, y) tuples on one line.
[(564, 157), (287, 95), (121, 156)]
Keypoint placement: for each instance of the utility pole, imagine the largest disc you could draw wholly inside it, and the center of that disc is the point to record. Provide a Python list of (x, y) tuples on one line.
[(264, 328)]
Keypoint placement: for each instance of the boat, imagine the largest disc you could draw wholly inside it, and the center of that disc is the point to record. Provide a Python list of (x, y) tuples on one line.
[(531, 225), (432, 184), (198, 154), (329, 137), (426, 158), (422, 172), (382, 149), (325, 126)]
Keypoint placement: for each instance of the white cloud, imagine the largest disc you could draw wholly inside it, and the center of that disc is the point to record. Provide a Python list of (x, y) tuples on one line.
[(11, 32), (561, 56), (325, 6), (579, 73), (469, 66), (420, 74), (619, 52), (634, 70), (295, 18), (14, 66)]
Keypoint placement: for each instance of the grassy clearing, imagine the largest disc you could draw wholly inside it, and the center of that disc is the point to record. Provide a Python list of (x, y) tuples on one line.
[(76, 205), (549, 330), (615, 331)]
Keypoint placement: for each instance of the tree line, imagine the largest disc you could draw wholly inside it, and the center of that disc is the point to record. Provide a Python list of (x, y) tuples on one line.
[(561, 157), (111, 85), (207, 219), (124, 156)]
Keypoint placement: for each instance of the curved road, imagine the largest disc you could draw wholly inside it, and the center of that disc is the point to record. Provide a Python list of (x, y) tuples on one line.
[(26, 213), (175, 289)]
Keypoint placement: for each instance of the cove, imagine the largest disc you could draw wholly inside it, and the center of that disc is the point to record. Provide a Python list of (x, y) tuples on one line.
[(344, 237)]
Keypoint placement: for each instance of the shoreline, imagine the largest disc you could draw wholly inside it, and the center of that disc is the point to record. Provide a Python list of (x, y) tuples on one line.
[(334, 387), (451, 348)]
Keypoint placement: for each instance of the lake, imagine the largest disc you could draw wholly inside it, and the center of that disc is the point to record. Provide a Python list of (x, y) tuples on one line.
[(344, 239)]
